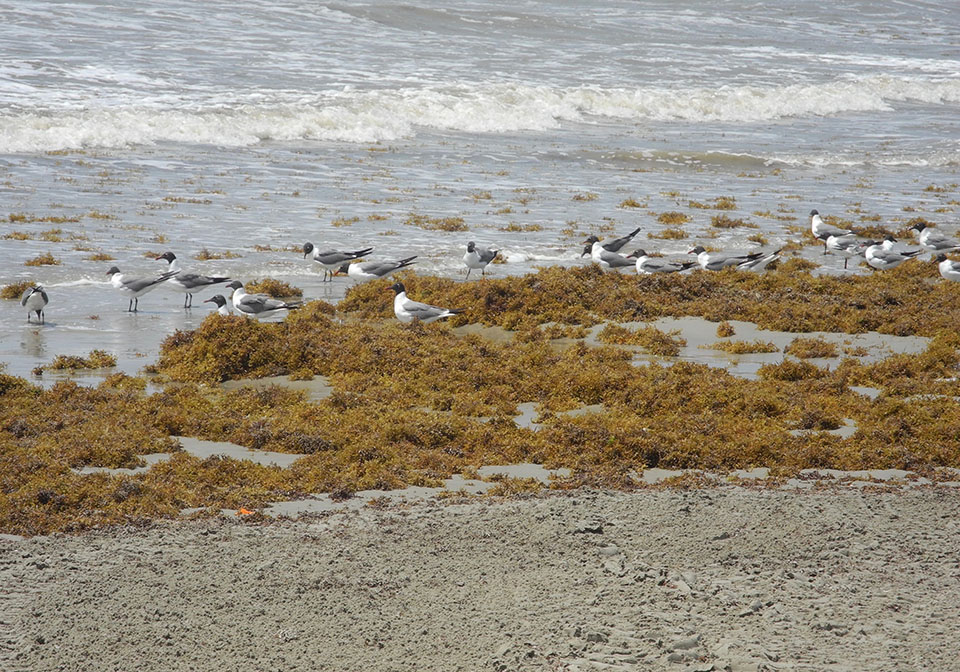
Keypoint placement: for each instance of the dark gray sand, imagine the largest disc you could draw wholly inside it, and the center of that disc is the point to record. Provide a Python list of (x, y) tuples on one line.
[(725, 579)]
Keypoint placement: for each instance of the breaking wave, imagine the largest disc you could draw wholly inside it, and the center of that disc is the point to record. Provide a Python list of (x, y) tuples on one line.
[(390, 114)]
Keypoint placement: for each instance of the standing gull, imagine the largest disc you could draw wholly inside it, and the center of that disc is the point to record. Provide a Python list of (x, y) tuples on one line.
[(188, 283), (257, 305), (134, 288), (821, 230), (849, 246), (371, 270), (332, 260), (34, 299), (408, 310), (478, 258)]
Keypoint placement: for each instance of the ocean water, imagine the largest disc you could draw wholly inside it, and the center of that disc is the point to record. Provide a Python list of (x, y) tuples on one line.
[(133, 128)]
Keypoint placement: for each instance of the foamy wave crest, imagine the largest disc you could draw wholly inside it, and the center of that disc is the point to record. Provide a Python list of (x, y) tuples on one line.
[(384, 115)]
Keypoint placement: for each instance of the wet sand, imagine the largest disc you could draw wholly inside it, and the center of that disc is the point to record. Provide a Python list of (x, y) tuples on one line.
[(725, 579)]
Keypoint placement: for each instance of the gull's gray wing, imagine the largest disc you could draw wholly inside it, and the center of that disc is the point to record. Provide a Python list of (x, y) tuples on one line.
[(889, 256), (652, 265), (140, 284), (617, 243), (939, 241), (423, 311), (196, 281), (379, 268), (258, 303), (719, 260), (486, 256), (29, 292), (615, 260), (331, 257)]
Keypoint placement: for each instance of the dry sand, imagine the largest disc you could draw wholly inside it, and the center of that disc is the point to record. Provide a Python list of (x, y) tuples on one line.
[(730, 578)]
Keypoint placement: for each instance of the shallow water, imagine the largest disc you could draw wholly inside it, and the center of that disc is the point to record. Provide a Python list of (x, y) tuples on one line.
[(135, 129)]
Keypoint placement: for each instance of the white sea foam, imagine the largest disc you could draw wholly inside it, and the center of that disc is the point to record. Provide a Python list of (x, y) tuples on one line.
[(390, 114)]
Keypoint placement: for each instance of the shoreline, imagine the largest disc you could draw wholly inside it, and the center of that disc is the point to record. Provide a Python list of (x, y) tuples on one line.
[(735, 578)]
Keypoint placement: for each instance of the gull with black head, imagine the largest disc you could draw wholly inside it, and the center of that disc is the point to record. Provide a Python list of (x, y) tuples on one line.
[(848, 246), (949, 269), (882, 255), (821, 230), (408, 310), (477, 258), (188, 283), (223, 308), (748, 261), (609, 261), (934, 240), (134, 288), (332, 260), (647, 265), (257, 305), (595, 247), (372, 270)]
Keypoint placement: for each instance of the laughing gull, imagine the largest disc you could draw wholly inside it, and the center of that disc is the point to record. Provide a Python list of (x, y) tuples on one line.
[(257, 305), (188, 283), (849, 246), (715, 261), (34, 299), (371, 270), (933, 240), (614, 245), (882, 256), (408, 310), (134, 288), (647, 265), (332, 260), (222, 305), (949, 269), (888, 245), (821, 230), (478, 258), (606, 259)]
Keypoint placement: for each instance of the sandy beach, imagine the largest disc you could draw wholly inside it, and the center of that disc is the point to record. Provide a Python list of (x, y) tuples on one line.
[(717, 579)]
